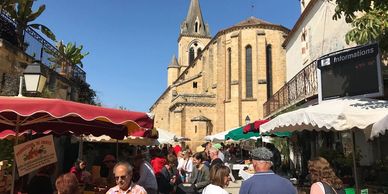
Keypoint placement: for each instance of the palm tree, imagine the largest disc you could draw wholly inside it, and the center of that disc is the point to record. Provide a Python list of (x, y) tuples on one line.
[(70, 54), (73, 53), (23, 14), (4, 4)]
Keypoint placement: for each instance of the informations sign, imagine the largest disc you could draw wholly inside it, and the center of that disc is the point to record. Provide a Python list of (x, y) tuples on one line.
[(35, 154), (352, 72)]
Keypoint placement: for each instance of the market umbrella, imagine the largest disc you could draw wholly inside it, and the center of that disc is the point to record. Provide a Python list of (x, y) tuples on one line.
[(255, 126), (332, 115), (167, 137), (60, 116), (10, 134), (131, 140), (218, 137), (380, 127), (238, 134)]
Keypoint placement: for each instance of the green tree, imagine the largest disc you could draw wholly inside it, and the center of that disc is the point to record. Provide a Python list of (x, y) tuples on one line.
[(4, 4), (23, 14), (86, 94), (71, 55), (369, 19), (72, 52)]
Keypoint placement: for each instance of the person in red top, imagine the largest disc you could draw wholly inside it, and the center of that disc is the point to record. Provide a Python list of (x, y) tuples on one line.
[(158, 162), (78, 170), (177, 149)]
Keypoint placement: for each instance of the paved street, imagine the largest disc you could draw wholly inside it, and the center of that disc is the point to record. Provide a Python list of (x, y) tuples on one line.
[(234, 188)]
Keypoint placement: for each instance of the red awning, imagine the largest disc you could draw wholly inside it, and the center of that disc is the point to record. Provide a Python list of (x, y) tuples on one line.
[(255, 126), (61, 116)]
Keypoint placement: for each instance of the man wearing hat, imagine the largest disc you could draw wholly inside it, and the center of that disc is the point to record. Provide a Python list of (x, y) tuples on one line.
[(265, 180), (220, 154), (107, 169)]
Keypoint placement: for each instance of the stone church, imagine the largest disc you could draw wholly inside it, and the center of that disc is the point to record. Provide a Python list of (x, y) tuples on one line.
[(216, 83)]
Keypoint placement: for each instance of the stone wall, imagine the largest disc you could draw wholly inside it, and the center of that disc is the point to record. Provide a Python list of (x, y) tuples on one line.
[(12, 64)]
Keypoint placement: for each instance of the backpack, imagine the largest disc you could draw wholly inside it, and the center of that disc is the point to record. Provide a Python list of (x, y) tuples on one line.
[(330, 190)]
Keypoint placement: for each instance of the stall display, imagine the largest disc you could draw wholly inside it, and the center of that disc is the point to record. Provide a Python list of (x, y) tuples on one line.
[(5, 179)]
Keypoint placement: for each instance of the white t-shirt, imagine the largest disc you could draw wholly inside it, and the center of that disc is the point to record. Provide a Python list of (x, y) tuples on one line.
[(221, 156), (186, 165), (214, 189)]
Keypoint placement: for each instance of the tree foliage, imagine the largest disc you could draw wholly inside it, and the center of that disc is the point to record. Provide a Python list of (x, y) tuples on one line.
[(21, 11), (86, 94), (4, 4), (369, 19), (72, 52)]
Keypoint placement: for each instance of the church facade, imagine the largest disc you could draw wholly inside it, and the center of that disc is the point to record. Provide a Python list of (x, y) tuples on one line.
[(216, 83)]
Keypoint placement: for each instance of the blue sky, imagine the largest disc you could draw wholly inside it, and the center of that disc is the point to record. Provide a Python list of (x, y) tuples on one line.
[(131, 42)]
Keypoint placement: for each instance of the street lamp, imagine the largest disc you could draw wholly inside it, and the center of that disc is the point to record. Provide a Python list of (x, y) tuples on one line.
[(247, 120), (34, 77)]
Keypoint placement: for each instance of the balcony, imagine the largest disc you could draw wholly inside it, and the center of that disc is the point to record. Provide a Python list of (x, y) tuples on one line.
[(302, 86), (40, 49)]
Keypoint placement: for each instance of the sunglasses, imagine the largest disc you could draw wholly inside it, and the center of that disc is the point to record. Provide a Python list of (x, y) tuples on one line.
[(120, 177)]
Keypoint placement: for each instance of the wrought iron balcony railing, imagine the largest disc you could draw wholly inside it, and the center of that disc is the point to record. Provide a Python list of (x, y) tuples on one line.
[(302, 86), (40, 49)]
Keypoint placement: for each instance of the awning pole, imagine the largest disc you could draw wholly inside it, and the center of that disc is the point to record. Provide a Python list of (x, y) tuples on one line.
[(14, 159), (354, 162), (117, 149), (81, 147)]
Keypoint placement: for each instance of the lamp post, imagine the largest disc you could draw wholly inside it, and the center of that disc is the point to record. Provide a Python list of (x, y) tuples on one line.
[(247, 120), (34, 77)]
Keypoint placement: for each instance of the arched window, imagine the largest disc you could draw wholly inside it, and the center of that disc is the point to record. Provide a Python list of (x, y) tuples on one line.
[(248, 72), (269, 70), (191, 55), (229, 69), (199, 50), (196, 26)]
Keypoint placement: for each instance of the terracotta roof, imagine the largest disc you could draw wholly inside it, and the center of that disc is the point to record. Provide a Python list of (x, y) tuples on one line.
[(252, 21)]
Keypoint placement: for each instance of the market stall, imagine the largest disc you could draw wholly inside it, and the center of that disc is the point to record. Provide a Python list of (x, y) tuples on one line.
[(343, 114), (380, 127), (218, 137), (22, 114)]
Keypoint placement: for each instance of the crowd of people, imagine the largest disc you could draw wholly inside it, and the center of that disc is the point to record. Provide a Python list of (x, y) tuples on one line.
[(173, 170)]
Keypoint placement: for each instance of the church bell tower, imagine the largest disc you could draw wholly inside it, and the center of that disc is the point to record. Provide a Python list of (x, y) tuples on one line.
[(193, 37)]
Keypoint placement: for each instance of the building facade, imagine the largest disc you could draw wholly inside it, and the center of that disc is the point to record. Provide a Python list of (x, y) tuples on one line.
[(315, 34), (215, 83)]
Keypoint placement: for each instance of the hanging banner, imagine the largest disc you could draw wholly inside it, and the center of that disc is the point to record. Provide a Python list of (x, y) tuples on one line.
[(35, 154)]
